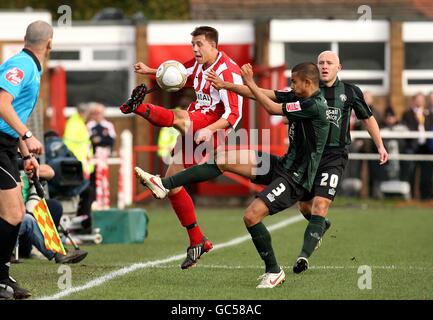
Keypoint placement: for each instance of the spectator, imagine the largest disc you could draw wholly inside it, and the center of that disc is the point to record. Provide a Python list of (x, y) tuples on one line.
[(102, 132), (376, 174), (394, 146), (430, 110), (102, 135), (389, 118), (77, 139), (430, 100), (426, 183), (369, 100), (351, 182), (167, 139), (418, 118), (69, 179)]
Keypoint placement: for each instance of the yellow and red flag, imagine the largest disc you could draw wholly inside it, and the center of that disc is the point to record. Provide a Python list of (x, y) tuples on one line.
[(46, 225)]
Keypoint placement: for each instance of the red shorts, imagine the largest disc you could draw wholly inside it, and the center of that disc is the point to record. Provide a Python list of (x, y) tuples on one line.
[(200, 120), (190, 153)]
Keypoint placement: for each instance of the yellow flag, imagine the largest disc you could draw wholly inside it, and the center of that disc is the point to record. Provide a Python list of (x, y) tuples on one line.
[(46, 225)]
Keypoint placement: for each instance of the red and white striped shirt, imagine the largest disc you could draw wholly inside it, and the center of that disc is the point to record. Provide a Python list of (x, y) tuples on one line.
[(224, 103)]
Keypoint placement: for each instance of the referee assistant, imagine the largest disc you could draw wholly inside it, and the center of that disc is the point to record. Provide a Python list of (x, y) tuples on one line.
[(20, 78)]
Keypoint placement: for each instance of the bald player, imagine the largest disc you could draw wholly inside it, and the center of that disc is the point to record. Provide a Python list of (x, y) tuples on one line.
[(20, 78), (342, 98)]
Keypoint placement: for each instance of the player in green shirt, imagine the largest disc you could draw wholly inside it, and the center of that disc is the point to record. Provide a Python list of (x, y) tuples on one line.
[(288, 179), (342, 98)]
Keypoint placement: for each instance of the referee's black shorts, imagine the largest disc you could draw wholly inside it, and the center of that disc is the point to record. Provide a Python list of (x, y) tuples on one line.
[(329, 174), (9, 173), (281, 192)]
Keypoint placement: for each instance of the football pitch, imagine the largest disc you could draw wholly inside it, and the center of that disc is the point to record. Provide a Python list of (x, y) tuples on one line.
[(374, 251)]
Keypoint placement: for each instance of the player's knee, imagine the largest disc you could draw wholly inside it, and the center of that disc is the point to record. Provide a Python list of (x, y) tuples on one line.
[(180, 116), (222, 166), (181, 120), (305, 208), (221, 159), (321, 206), (174, 191), (249, 219), (252, 216)]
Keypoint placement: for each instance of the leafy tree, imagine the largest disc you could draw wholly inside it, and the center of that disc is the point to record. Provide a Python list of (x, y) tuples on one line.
[(86, 9)]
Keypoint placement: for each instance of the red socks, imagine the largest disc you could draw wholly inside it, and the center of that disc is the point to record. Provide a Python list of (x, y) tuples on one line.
[(181, 201), (184, 208), (156, 115)]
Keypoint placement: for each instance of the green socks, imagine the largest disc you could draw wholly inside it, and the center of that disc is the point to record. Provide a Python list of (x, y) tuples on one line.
[(263, 243), (307, 217), (199, 173), (312, 235)]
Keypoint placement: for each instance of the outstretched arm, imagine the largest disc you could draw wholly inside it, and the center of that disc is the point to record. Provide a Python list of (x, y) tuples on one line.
[(240, 89), (270, 106), (142, 68), (206, 133), (373, 130)]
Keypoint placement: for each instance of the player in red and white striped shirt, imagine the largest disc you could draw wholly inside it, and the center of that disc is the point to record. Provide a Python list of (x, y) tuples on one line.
[(213, 110), (210, 101)]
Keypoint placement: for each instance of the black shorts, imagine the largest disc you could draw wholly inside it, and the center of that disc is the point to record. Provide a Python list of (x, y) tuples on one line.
[(329, 173), (281, 192), (9, 173)]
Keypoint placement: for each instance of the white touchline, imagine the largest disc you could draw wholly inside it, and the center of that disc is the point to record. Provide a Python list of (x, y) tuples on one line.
[(137, 266), (229, 267), (312, 267)]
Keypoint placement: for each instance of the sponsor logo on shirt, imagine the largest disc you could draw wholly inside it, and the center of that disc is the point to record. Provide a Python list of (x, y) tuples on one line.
[(14, 76), (334, 116), (203, 99), (293, 106)]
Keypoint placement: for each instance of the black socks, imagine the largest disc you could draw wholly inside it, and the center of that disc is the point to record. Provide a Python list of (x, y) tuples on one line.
[(8, 239)]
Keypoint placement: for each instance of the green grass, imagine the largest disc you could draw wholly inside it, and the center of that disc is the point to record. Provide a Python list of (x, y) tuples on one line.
[(395, 242)]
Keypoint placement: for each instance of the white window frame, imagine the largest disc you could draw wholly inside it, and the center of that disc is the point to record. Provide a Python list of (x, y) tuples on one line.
[(87, 39), (417, 32), (334, 32)]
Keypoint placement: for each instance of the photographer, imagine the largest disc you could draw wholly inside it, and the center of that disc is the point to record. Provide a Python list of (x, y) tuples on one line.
[(69, 181)]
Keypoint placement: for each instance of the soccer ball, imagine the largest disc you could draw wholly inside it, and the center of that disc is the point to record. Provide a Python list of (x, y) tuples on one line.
[(171, 75)]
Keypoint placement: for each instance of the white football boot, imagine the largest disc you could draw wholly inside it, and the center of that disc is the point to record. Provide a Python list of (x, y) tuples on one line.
[(152, 182), (271, 280)]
